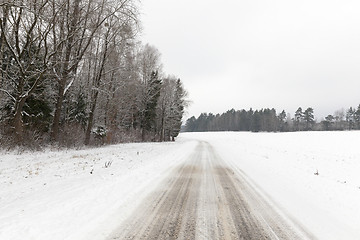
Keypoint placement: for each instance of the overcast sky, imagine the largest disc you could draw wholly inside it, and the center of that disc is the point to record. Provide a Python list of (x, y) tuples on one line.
[(243, 54)]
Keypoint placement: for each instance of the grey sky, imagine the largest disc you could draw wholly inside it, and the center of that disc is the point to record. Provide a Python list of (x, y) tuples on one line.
[(279, 54)]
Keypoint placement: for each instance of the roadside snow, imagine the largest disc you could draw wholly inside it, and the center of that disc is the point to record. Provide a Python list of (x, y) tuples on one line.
[(71, 195), (285, 165)]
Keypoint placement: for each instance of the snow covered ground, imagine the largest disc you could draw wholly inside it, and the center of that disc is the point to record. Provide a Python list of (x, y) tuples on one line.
[(72, 195), (54, 195), (283, 165)]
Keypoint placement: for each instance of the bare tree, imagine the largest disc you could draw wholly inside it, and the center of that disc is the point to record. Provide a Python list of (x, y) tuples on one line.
[(117, 30), (84, 52), (25, 28), (166, 103), (339, 116), (120, 87), (150, 72), (77, 29)]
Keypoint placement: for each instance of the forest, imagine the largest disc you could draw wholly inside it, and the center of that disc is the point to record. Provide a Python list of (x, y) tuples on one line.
[(268, 120), (74, 73)]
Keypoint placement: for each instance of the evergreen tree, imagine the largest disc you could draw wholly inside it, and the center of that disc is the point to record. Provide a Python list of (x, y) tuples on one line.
[(357, 117), (77, 111), (250, 116), (298, 119), (37, 113), (309, 118), (149, 115), (202, 125), (191, 125), (28, 106), (179, 107), (282, 120), (243, 121), (256, 126), (350, 118)]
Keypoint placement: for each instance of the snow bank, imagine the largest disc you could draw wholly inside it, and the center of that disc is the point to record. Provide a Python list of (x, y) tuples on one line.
[(314, 176), (72, 195)]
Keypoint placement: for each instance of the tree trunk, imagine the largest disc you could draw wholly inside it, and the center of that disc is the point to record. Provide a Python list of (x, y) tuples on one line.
[(56, 121), (162, 127), (65, 70), (2, 47), (96, 93), (143, 135), (18, 124), (91, 119)]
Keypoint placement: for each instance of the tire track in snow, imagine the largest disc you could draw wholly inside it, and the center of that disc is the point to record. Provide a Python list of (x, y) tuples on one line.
[(204, 199)]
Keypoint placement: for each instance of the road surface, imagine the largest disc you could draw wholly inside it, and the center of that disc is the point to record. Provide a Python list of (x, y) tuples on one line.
[(204, 198)]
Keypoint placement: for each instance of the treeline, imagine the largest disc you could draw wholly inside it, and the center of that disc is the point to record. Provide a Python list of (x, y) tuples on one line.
[(73, 72), (268, 120)]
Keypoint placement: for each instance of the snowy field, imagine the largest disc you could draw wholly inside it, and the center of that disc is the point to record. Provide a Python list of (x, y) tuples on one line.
[(72, 195), (283, 165)]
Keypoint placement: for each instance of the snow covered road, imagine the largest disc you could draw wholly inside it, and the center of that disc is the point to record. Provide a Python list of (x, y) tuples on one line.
[(204, 198)]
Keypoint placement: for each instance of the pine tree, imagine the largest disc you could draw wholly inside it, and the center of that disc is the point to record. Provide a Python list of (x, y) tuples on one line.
[(308, 118), (298, 119), (256, 122), (357, 117), (191, 124), (281, 120), (179, 106), (77, 111), (149, 115), (350, 118)]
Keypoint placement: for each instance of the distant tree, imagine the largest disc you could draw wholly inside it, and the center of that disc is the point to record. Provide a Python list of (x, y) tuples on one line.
[(282, 121), (261, 120), (272, 120), (243, 121), (202, 123), (339, 116), (350, 118), (357, 117), (309, 118), (250, 116), (328, 122), (298, 119), (256, 126), (213, 122), (191, 124)]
